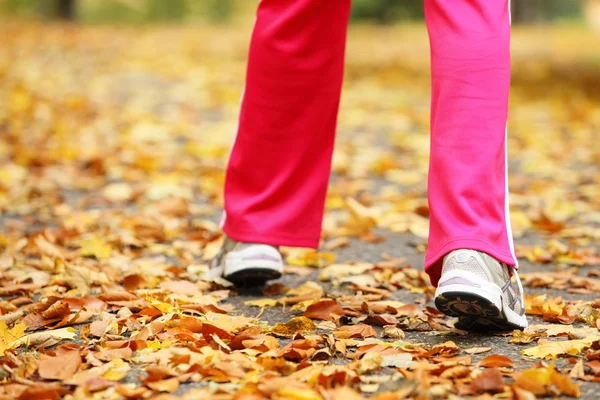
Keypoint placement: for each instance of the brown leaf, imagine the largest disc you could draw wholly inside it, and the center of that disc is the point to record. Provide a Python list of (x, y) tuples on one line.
[(35, 321), (63, 365), (180, 287), (88, 302), (78, 318), (477, 350), (208, 330), (457, 372), (110, 297), (391, 331), (42, 390), (355, 331), (382, 320), (488, 381), (57, 310), (522, 394), (133, 393), (594, 365), (133, 281), (166, 385), (98, 384), (98, 328), (325, 310), (112, 354)]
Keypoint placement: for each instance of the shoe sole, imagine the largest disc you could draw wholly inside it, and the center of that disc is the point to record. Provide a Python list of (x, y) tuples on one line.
[(475, 313), (253, 276)]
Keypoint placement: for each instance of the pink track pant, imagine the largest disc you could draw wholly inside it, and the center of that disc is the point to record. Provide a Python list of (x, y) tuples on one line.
[(280, 163)]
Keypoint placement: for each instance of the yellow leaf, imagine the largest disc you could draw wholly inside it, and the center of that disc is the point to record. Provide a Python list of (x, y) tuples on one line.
[(262, 303), (117, 371), (294, 326), (118, 192), (310, 258), (165, 308), (540, 375), (361, 220), (154, 344), (342, 270), (564, 383), (9, 336), (227, 322), (370, 362), (45, 338), (96, 247), (292, 393), (553, 349)]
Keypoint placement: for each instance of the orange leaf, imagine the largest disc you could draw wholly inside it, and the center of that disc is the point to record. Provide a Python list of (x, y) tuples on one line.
[(496, 360), (190, 323)]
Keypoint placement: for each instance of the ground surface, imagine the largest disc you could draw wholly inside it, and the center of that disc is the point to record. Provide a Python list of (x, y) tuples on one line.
[(112, 149)]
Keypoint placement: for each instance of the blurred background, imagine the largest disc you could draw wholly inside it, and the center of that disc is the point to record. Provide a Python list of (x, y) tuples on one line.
[(129, 107), (379, 11)]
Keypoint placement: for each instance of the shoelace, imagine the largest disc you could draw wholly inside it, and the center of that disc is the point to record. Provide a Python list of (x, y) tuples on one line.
[(508, 286)]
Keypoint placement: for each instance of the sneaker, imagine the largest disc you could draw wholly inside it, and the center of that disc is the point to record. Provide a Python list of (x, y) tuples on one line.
[(246, 264), (480, 291)]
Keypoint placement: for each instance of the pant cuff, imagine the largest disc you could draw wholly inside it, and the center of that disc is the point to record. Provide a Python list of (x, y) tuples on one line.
[(270, 239)]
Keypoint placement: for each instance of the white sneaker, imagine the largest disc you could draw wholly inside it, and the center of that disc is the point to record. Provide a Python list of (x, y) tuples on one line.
[(480, 291), (246, 264)]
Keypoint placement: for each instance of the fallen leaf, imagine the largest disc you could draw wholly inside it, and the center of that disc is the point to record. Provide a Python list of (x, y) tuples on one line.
[(8, 337), (496, 360), (488, 381), (295, 326), (554, 349), (325, 310), (62, 366)]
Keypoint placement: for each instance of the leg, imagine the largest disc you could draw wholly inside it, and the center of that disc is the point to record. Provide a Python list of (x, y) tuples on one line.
[(280, 163), (468, 197)]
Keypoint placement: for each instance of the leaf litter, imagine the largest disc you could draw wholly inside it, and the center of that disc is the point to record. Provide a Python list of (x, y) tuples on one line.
[(111, 171)]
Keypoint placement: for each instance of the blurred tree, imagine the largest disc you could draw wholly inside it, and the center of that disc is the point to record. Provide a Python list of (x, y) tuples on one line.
[(544, 10), (220, 10), (56, 9), (386, 11), (523, 11), (171, 10), (379, 11), (65, 9)]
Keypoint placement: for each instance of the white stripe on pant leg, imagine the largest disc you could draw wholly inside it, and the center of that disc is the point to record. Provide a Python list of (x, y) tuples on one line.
[(509, 234), (237, 130)]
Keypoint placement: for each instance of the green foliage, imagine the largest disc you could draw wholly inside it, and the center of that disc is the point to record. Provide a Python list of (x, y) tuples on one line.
[(128, 11), (386, 11), (161, 10), (546, 10), (378, 11), (15, 6), (220, 10)]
